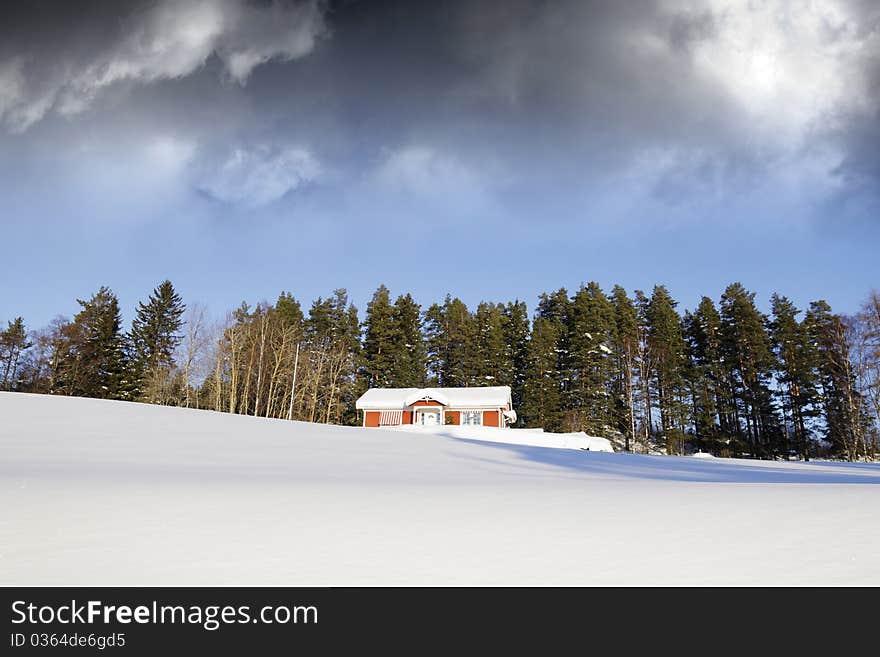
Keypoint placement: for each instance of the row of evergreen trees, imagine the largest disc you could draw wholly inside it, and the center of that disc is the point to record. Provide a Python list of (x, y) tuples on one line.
[(91, 356), (723, 378)]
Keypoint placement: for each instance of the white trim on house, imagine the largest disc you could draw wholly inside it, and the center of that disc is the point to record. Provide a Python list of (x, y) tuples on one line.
[(473, 414), (427, 394), (421, 411), (478, 398)]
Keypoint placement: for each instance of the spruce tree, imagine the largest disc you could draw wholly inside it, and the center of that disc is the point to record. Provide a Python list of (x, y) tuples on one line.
[(408, 344), (589, 363), (490, 357), (154, 337), (542, 401), (378, 353), (555, 308), (93, 359), (516, 337), (451, 333), (289, 310)]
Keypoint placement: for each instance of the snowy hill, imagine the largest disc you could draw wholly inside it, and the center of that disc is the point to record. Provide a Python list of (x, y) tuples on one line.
[(103, 493), (527, 437)]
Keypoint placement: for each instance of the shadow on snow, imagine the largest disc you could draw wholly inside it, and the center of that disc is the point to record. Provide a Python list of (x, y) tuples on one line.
[(689, 469)]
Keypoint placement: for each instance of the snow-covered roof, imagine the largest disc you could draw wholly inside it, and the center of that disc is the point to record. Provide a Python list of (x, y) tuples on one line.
[(394, 398)]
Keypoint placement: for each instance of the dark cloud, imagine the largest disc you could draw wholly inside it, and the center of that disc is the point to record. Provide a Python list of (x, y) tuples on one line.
[(63, 66), (514, 146), (680, 97)]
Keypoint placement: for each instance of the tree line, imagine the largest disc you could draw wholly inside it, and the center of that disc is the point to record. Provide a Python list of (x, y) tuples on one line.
[(723, 378)]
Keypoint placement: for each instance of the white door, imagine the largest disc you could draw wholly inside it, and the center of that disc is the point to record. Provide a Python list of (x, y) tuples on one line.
[(430, 418)]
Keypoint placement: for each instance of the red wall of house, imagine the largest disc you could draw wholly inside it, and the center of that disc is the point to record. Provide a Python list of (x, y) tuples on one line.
[(426, 403), (490, 418)]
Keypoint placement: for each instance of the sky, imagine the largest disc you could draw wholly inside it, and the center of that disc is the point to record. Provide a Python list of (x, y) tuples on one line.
[(492, 150)]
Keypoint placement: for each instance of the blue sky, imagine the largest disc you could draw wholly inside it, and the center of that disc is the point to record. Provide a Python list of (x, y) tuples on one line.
[(490, 150)]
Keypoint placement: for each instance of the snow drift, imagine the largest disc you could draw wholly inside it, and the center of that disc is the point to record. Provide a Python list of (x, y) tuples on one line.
[(111, 493), (533, 437)]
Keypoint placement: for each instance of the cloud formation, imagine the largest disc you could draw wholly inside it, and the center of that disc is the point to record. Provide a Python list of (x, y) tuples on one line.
[(637, 140), (259, 175), (423, 171), (788, 65), (676, 102), (167, 40)]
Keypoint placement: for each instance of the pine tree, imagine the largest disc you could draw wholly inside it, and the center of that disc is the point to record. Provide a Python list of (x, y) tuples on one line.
[(154, 337), (841, 401), (554, 306), (556, 309), (589, 362), (747, 354), (13, 343), (625, 347), (490, 359), (711, 416), (542, 402), (344, 411), (647, 365), (516, 337), (408, 344), (378, 354), (796, 360), (451, 333), (667, 345), (92, 358), (289, 310)]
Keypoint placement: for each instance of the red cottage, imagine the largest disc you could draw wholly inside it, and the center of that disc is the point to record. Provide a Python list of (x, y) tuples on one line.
[(486, 406)]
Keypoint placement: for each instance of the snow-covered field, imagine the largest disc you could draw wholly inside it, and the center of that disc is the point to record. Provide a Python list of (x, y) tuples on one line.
[(110, 493), (529, 437)]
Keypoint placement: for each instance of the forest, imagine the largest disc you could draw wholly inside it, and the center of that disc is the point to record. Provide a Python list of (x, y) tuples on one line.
[(723, 378)]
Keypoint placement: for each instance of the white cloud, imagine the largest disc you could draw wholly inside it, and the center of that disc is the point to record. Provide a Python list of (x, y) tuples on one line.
[(432, 183), (171, 40), (425, 171), (142, 174), (11, 82), (168, 156), (281, 32), (20, 107), (257, 176), (788, 64)]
